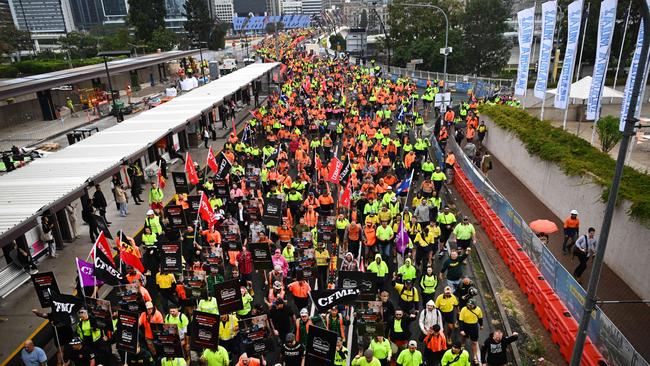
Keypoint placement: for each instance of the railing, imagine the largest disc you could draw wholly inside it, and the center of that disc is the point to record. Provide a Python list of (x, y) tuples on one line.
[(603, 333), (481, 86)]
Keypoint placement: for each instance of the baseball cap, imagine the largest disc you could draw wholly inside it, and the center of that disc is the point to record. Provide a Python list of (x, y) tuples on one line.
[(148, 305), (413, 343), (304, 312), (456, 344), (447, 289)]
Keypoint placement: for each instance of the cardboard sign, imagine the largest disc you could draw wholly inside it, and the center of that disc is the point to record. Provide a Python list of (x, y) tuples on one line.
[(44, 284), (321, 346), (100, 313), (181, 184), (366, 282), (170, 258), (176, 216), (261, 255), (228, 295), (272, 212), (372, 329), (232, 242), (221, 188), (167, 340), (205, 331), (130, 298), (126, 335), (192, 210)]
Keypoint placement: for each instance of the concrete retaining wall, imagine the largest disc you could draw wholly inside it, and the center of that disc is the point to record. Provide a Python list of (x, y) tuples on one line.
[(627, 251)]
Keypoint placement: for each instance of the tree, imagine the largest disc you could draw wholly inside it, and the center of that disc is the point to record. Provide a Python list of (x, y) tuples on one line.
[(163, 39), (118, 41), (79, 44), (608, 133), (12, 40), (487, 49), (146, 16), (198, 22), (217, 38), (363, 23), (337, 42)]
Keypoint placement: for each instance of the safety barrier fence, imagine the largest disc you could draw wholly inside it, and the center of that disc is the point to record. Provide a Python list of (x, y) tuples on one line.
[(555, 294)]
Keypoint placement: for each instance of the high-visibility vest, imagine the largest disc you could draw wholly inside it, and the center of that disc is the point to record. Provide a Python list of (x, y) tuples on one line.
[(311, 218)]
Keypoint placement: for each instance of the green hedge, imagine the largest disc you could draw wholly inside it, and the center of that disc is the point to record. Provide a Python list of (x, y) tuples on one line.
[(8, 71), (35, 67), (574, 155)]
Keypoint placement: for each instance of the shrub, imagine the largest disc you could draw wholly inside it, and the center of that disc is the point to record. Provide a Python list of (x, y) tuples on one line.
[(8, 71), (574, 156), (608, 133)]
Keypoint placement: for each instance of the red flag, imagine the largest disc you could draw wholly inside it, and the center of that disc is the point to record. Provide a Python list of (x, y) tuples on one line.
[(205, 210), (334, 169), (345, 196), (190, 170), (161, 180), (102, 244), (212, 161)]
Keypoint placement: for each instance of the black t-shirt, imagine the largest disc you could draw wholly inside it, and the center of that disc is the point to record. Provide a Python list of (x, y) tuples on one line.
[(281, 318), (292, 355), (80, 357)]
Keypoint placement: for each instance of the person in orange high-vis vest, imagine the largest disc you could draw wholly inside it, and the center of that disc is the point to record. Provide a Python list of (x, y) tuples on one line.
[(369, 240), (435, 343), (311, 217)]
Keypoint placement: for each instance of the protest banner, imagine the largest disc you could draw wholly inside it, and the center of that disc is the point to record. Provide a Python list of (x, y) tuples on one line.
[(126, 334), (228, 295), (205, 330), (44, 283)]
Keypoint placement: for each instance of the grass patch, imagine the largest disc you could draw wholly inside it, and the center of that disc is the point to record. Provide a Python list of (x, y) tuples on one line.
[(511, 304), (535, 346), (574, 156)]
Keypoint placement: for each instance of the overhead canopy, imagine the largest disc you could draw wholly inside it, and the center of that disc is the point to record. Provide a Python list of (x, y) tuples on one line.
[(580, 90), (58, 178)]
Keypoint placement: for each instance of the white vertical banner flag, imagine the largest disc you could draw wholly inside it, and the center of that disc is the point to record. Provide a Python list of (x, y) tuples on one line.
[(549, 15), (526, 20), (603, 45), (631, 77), (573, 33)]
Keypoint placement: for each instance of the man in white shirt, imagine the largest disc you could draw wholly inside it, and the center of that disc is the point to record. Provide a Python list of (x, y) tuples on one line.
[(584, 248)]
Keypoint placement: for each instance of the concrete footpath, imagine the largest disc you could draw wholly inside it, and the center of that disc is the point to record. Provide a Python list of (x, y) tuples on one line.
[(629, 318), (16, 317)]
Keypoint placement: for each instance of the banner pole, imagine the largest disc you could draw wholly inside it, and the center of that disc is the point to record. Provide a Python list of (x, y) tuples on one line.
[(59, 351)]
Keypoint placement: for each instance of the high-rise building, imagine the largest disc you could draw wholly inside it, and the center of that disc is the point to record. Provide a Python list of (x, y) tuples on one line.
[(312, 7), (175, 19), (273, 7), (5, 14), (224, 10), (244, 7), (45, 20), (87, 13), (291, 7), (114, 11)]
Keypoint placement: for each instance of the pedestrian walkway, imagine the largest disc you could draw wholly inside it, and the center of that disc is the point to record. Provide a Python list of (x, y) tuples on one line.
[(16, 317), (29, 133), (629, 318)]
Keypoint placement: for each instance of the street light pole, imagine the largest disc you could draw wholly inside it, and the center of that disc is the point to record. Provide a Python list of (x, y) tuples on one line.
[(383, 29), (630, 122), (106, 55), (429, 6)]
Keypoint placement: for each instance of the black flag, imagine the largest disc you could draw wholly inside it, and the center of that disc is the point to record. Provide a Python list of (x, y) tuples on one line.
[(327, 299), (106, 271), (64, 307), (344, 176), (224, 167)]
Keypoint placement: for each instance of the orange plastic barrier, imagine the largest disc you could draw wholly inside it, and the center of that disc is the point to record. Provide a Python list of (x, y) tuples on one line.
[(553, 314)]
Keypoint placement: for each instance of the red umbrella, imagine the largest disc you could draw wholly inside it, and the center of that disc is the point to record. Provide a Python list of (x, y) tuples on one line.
[(543, 226)]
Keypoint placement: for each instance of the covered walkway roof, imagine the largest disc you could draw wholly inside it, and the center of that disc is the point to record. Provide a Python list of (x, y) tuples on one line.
[(55, 180), (31, 84)]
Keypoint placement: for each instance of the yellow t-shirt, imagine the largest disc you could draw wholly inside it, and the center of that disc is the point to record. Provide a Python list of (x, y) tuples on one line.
[(446, 305), (165, 281), (470, 316)]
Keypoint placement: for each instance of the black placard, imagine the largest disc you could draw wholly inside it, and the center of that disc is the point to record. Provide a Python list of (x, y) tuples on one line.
[(272, 212), (232, 242), (261, 255), (372, 329), (170, 258), (130, 298), (126, 335), (176, 216), (102, 226), (192, 210), (366, 282), (100, 313), (205, 331), (221, 188), (255, 333), (44, 284), (228, 295), (180, 182), (321, 347), (167, 340)]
